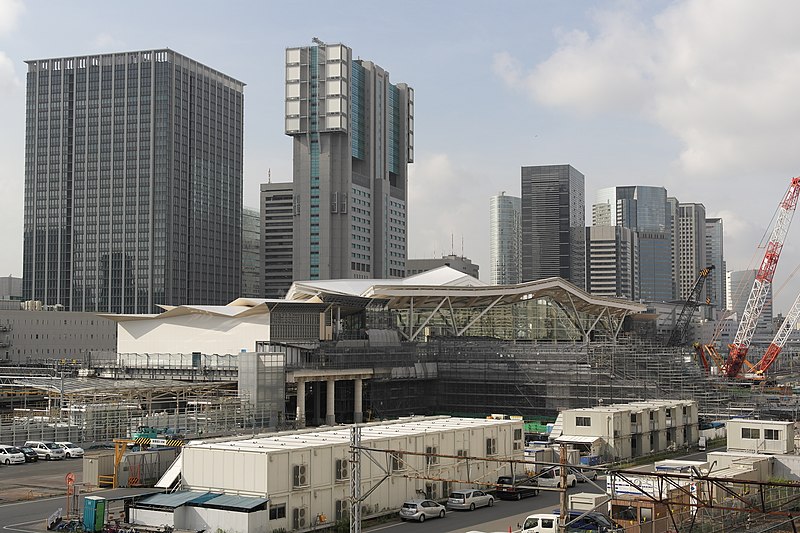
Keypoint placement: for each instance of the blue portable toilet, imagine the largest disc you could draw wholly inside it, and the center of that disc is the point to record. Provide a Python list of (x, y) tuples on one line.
[(94, 514)]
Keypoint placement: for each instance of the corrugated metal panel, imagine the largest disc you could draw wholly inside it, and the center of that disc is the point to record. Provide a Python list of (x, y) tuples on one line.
[(173, 500), (230, 502)]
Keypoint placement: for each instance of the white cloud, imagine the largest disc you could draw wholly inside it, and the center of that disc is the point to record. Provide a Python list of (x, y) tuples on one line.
[(446, 206), (9, 83), (10, 11), (721, 76)]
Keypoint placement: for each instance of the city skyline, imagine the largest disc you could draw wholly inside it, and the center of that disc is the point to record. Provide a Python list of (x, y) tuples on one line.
[(598, 87)]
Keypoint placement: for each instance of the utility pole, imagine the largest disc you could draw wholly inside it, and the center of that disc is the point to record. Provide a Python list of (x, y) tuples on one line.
[(562, 518), (355, 479)]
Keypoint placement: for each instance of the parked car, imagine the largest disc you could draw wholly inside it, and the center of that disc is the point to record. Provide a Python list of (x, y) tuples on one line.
[(552, 478), (421, 509), (30, 454), (469, 499), (592, 521), (70, 450), (516, 487), (11, 455), (584, 475), (46, 450)]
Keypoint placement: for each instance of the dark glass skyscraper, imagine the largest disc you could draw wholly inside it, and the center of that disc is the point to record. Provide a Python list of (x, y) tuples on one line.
[(553, 224), (133, 182)]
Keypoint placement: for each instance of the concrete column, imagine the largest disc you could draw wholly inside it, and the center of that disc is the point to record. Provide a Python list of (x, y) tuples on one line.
[(358, 415), (301, 403), (330, 417)]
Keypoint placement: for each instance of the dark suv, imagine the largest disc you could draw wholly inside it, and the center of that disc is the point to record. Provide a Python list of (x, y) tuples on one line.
[(516, 487)]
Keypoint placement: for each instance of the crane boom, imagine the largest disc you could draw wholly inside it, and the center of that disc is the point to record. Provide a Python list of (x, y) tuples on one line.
[(678, 335), (780, 338), (763, 282)]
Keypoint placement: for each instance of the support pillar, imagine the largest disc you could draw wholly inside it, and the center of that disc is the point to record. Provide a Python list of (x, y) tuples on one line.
[(330, 417), (301, 403), (358, 386)]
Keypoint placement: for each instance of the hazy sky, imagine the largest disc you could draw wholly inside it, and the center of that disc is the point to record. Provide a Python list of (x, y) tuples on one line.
[(700, 96)]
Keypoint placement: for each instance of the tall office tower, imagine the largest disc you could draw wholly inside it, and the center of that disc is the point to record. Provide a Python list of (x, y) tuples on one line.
[(642, 209), (353, 137), (133, 182), (505, 239), (251, 253), (738, 286), (553, 224), (611, 261), (277, 215), (691, 247), (715, 256), (672, 210)]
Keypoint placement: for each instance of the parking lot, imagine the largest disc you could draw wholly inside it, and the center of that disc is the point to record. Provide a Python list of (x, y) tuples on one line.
[(39, 479)]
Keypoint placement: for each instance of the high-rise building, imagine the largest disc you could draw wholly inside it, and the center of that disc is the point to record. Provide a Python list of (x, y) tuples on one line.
[(553, 224), (133, 182), (714, 256), (738, 286), (353, 137), (611, 263), (642, 209), (456, 262), (673, 215), (277, 215), (691, 252), (251, 253), (10, 288), (505, 239)]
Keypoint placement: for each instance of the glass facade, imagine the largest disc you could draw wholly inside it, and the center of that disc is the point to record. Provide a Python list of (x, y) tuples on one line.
[(505, 239), (133, 182), (642, 209), (553, 224)]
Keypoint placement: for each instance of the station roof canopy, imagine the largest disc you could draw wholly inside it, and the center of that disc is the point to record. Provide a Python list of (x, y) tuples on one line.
[(427, 290)]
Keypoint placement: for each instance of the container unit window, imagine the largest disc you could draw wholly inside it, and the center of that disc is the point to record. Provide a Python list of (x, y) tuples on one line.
[(398, 462), (431, 455), (751, 433), (491, 446), (583, 421), (276, 512), (772, 434)]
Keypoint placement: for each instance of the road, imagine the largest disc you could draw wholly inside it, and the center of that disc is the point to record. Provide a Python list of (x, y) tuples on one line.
[(503, 515)]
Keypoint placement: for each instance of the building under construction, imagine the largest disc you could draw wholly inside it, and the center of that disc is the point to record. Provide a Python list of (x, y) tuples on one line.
[(437, 342)]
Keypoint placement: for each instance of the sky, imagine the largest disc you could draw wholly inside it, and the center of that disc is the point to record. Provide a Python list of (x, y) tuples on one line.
[(699, 96)]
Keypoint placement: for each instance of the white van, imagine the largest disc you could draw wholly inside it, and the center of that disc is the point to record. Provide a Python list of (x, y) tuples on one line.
[(591, 521), (11, 455), (46, 449), (540, 523), (552, 478)]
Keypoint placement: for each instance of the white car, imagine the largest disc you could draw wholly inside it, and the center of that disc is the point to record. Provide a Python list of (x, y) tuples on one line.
[(46, 449), (70, 450), (552, 478), (11, 455)]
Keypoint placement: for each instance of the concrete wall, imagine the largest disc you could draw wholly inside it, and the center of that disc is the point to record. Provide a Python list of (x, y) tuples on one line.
[(41, 335), (149, 517), (209, 334), (197, 518)]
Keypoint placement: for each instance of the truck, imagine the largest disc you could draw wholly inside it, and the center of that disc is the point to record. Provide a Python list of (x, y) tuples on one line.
[(701, 444)]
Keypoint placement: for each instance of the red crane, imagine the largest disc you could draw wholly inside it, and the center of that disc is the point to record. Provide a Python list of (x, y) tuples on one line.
[(762, 283), (780, 339)]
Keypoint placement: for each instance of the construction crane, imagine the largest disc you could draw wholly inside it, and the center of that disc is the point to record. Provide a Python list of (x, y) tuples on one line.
[(678, 335), (758, 295), (780, 339)]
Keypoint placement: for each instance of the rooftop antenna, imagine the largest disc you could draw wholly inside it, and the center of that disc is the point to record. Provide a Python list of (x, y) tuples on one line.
[(269, 175), (451, 244), (462, 245), (316, 41)]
